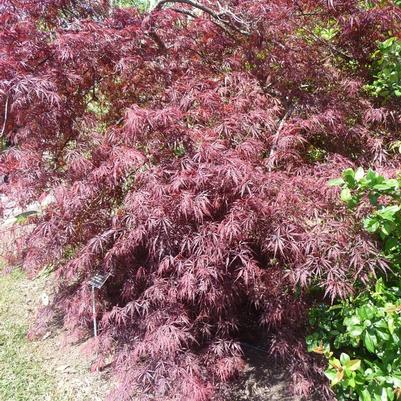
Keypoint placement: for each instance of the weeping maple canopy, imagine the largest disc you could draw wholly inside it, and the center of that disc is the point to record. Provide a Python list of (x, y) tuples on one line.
[(186, 151)]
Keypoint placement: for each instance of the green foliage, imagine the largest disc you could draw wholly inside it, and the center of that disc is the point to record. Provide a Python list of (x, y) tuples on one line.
[(384, 196), (387, 69), (366, 332), (327, 32), (395, 146), (316, 154), (361, 337), (178, 149), (142, 5), (97, 103), (23, 217)]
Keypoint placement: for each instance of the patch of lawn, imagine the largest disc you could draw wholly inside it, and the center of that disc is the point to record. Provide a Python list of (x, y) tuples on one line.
[(22, 377)]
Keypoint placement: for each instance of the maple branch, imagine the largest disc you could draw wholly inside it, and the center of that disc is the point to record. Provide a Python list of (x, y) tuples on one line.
[(158, 41), (194, 4), (332, 47), (216, 19), (207, 10), (184, 12), (327, 43), (5, 116), (189, 14), (273, 149)]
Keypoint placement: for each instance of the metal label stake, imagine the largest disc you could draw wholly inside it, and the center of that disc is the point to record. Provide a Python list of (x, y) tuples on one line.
[(97, 281), (94, 311)]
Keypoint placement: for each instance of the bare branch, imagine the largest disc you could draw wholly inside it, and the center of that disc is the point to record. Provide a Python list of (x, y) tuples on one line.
[(324, 42), (273, 149), (158, 41), (189, 14), (184, 12), (5, 116), (332, 47), (217, 16), (194, 4)]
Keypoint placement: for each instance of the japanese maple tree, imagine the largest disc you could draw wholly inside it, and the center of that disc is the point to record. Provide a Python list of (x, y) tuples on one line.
[(186, 151)]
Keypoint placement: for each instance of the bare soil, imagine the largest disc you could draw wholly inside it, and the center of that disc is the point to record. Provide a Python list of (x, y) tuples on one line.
[(262, 380)]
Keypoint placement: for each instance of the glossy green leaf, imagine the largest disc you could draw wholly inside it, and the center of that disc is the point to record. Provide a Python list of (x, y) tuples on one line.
[(359, 173), (365, 395), (335, 182), (353, 364), (344, 358), (346, 195), (370, 341)]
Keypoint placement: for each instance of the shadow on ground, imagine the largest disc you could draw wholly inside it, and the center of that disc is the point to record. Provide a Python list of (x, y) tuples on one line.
[(261, 380)]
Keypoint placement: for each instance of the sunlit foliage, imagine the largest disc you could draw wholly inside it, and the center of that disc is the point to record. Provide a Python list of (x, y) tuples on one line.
[(187, 151)]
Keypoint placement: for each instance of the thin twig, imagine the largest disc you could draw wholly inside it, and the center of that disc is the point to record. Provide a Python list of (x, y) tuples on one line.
[(332, 47), (207, 10), (5, 116), (273, 149)]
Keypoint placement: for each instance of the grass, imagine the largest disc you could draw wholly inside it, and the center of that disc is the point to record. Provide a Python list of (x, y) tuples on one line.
[(22, 374), (49, 369)]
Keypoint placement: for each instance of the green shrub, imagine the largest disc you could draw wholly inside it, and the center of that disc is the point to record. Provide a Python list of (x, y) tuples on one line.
[(361, 337), (384, 195), (142, 5), (387, 69)]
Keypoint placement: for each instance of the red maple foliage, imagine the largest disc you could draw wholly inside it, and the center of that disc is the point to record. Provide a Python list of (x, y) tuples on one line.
[(187, 151)]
